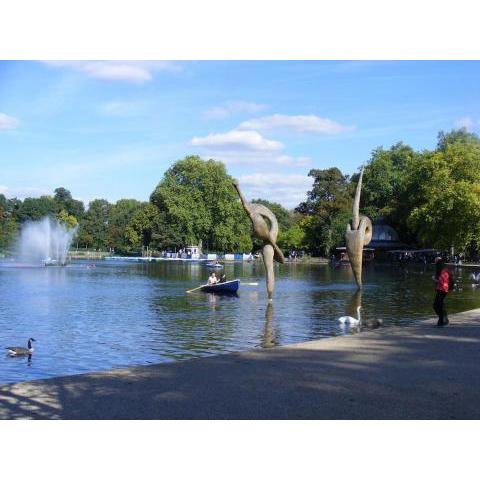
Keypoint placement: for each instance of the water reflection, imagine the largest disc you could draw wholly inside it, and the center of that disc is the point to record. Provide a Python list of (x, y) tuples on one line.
[(20, 359), (132, 314), (353, 303)]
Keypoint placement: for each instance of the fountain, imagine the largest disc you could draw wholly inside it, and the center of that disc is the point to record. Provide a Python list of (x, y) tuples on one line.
[(45, 242)]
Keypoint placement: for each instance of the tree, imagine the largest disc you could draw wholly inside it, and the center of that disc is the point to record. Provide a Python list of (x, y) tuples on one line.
[(327, 208), (456, 137), (8, 224), (36, 208), (64, 201), (293, 238), (140, 229), (382, 182), (200, 204), (66, 219), (442, 192), (119, 217), (330, 192), (93, 228)]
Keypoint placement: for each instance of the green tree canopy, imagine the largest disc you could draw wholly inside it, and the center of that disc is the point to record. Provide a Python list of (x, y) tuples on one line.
[(8, 223), (64, 201), (36, 208), (382, 181), (442, 193), (142, 225), (93, 228), (326, 210), (200, 204), (119, 216)]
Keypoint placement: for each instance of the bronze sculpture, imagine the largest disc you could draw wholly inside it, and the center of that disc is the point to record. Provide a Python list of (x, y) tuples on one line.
[(268, 339), (358, 234), (265, 226)]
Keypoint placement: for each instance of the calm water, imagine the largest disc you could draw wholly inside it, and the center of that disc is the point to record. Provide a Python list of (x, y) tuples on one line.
[(122, 314)]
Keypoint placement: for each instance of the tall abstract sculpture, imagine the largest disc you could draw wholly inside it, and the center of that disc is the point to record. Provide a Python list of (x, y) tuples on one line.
[(265, 226), (268, 339), (358, 234)]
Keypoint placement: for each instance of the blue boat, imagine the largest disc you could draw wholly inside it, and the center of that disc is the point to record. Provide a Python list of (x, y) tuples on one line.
[(222, 287), (214, 265)]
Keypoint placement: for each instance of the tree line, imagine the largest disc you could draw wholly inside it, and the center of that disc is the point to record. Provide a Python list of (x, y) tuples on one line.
[(431, 197)]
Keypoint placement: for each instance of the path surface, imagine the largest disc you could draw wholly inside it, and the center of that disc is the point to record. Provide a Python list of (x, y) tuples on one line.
[(417, 372)]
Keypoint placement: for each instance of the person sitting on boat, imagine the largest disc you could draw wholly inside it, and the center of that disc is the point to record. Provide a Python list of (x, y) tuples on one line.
[(212, 279), (223, 278)]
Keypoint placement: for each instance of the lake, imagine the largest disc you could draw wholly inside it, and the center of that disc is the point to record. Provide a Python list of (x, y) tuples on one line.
[(122, 314)]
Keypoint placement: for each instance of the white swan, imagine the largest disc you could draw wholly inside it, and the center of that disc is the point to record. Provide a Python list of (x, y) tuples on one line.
[(352, 320), (475, 278)]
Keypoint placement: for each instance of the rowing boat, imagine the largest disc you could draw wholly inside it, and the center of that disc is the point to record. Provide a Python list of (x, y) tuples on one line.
[(222, 287)]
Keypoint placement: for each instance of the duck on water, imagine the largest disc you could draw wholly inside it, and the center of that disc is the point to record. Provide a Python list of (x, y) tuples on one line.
[(16, 351)]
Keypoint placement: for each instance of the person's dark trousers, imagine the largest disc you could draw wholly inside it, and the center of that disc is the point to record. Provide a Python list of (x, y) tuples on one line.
[(439, 307)]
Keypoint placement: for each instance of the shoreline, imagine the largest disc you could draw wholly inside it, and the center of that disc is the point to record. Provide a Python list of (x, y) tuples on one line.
[(410, 372)]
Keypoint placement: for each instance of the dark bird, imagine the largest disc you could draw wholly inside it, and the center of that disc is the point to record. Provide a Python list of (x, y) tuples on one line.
[(15, 351)]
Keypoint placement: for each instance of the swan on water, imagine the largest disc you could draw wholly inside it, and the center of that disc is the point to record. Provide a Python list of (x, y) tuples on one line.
[(352, 320), (14, 351), (475, 277)]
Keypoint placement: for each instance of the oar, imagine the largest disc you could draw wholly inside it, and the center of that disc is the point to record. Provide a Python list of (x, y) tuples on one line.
[(193, 289), (252, 284)]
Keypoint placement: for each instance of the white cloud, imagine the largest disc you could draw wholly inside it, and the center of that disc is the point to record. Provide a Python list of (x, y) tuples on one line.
[(22, 192), (132, 72), (239, 140), (259, 159), (7, 122), (298, 123), (233, 107), (465, 122), (287, 189)]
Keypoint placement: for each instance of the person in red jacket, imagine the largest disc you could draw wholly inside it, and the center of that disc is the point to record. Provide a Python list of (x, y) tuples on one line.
[(444, 283)]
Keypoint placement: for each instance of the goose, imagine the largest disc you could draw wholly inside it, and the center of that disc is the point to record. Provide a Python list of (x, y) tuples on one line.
[(352, 320), (14, 351)]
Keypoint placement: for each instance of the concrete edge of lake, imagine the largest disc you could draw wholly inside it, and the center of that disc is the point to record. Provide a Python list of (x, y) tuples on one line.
[(412, 372)]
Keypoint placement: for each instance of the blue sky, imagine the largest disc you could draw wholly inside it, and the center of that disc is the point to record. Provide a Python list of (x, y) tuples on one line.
[(111, 129)]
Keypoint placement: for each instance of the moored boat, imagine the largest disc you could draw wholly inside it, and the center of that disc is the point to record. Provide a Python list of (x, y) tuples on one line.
[(222, 287)]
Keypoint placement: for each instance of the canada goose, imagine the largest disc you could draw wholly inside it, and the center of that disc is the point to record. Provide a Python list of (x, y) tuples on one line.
[(352, 320), (14, 351)]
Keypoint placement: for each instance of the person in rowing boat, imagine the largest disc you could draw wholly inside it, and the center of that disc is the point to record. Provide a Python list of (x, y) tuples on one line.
[(223, 278), (212, 279)]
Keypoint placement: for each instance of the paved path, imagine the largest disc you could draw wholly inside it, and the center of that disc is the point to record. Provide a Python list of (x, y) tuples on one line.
[(417, 372)]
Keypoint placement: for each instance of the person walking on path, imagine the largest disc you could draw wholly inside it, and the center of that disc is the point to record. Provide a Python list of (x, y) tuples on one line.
[(444, 283)]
